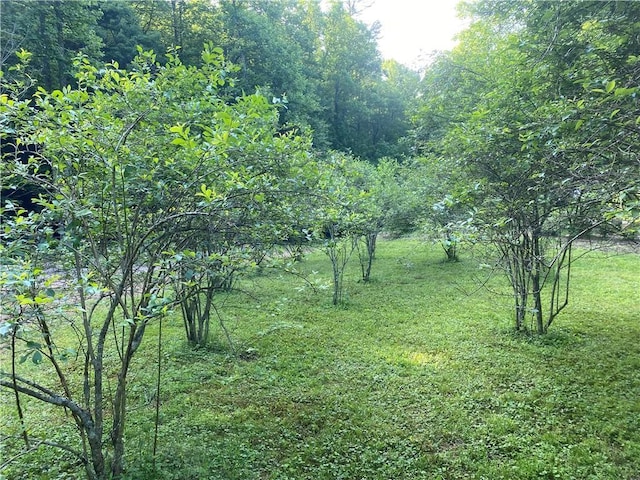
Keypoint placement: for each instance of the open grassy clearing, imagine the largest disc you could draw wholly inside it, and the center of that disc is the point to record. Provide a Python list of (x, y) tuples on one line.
[(413, 379)]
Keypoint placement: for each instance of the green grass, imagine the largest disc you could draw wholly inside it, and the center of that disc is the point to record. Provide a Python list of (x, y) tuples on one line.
[(414, 378)]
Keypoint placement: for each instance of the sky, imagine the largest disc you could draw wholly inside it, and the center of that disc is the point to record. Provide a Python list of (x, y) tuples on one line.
[(412, 29)]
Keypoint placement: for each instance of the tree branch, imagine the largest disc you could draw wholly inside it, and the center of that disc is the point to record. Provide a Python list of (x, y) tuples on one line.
[(46, 395)]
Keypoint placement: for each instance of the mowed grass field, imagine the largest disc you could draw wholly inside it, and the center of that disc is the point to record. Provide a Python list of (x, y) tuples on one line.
[(418, 376)]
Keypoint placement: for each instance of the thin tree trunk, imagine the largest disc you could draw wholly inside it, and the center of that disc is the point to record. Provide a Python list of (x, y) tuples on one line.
[(23, 425), (536, 267)]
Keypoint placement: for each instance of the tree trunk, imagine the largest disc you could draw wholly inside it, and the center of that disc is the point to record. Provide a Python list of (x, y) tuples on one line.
[(536, 270), (366, 257), (117, 430), (96, 467), (537, 300), (61, 64), (46, 64)]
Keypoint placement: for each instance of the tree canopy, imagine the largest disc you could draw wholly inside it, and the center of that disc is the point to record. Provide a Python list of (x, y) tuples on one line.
[(322, 63)]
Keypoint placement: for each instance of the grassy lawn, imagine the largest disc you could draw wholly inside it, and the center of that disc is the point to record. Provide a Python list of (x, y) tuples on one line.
[(418, 376)]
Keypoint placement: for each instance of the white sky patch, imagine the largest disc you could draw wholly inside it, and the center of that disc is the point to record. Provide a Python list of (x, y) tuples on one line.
[(413, 29)]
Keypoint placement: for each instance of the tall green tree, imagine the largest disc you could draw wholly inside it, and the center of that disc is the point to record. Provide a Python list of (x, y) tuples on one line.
[(120, 31), (54, 32), (323, 65), (350, 63), (275, 51)]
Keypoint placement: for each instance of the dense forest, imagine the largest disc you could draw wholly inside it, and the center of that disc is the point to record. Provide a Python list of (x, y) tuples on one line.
[(324, 64), (157, 152)]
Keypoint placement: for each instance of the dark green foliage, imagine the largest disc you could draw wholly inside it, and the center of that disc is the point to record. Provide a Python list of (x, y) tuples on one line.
[(120, 31), (54, 32), (324, 67)]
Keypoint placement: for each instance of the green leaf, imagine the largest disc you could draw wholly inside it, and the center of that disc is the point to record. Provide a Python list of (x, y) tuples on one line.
[(619, 92), (37, 357), (610, 86)]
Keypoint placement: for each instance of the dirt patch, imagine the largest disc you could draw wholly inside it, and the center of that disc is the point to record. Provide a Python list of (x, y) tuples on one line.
[(609, 245)]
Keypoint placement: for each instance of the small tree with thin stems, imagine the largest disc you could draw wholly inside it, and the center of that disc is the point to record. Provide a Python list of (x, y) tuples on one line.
[(123, 163)]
